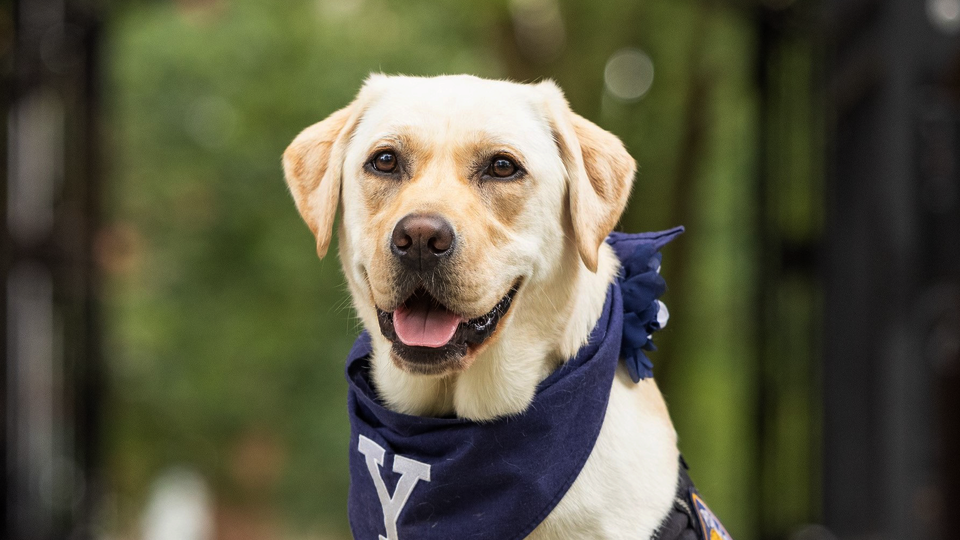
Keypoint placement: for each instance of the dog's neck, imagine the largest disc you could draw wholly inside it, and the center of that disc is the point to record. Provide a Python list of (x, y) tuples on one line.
[(551, 319)]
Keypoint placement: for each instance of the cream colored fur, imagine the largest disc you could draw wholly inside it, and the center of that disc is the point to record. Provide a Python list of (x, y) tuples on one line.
[(547, 230)]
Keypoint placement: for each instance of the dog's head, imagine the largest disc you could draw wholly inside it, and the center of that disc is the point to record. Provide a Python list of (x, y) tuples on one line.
[(460, 196)]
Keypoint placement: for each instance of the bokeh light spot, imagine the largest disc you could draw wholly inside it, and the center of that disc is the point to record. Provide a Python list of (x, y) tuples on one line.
[(628, 75), (945, 15)]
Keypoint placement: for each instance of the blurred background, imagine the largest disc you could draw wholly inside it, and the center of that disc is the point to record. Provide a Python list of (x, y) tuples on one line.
[(174, 349)]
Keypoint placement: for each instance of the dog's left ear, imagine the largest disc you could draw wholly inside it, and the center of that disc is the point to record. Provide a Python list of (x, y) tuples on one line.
[(599, 174), (312, 166)]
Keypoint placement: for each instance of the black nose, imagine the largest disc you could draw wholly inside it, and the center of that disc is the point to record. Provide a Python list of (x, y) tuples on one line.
[(420, 241)]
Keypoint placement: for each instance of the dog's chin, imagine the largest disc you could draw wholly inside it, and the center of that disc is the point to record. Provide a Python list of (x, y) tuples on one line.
[(430, 361), (459, 351)]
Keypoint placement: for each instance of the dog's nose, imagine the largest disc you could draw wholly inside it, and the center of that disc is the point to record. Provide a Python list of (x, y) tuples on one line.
[(420, 241)]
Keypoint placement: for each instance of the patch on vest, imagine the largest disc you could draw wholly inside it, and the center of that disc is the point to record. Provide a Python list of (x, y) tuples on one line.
[(709, 524)]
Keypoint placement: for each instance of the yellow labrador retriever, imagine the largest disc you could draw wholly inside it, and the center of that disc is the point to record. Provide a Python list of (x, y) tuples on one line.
[(503, 197)]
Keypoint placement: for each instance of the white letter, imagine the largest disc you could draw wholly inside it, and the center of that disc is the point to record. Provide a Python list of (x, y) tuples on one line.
[(410, 472)]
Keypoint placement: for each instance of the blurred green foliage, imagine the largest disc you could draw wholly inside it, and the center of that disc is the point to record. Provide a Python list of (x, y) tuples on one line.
[(224, 328)]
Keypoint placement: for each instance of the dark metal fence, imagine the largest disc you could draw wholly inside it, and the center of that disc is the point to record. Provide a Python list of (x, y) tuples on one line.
[(49, 208), (892, 269)]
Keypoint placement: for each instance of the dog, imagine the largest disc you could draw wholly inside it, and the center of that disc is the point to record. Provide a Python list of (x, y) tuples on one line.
[(472, 239)]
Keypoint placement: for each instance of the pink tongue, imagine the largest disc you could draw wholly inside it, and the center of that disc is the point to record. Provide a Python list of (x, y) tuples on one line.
[(425, 325)]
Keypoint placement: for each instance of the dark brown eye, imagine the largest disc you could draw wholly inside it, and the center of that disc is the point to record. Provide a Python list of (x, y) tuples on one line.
[(385, 162), (502, 167)]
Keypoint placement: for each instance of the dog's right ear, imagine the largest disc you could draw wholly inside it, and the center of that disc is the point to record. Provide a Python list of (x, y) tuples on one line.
[(313, 164)]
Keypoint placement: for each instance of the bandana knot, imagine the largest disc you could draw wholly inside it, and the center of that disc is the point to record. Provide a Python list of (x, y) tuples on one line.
[(641, 286)]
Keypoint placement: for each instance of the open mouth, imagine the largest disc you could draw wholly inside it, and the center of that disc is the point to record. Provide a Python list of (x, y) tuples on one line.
[(427, 336)]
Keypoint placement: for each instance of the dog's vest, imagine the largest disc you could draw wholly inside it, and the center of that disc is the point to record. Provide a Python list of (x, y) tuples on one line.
[(689, 518), (422, 478)]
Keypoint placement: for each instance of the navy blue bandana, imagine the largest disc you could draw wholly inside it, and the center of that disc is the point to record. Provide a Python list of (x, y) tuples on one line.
[(421, 478)]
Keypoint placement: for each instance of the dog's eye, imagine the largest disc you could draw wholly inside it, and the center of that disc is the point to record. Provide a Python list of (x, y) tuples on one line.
[(385, 162), (502, 167)]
